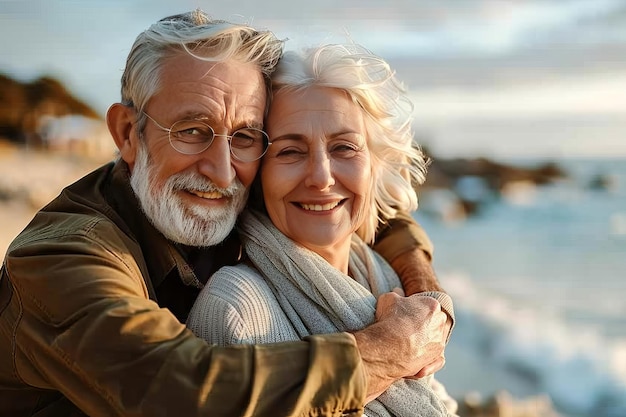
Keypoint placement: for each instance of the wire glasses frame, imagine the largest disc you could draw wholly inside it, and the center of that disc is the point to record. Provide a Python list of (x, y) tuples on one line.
[(191, 137)]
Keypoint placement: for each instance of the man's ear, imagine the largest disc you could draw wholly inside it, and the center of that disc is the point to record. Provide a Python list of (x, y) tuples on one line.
[(121, 122)]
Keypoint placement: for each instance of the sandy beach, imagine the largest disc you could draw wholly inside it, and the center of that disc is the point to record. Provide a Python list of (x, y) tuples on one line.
[(29, 179)]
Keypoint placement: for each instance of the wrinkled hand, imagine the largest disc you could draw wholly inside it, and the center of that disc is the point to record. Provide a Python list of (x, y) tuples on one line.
[(440, 361), (407, 340)]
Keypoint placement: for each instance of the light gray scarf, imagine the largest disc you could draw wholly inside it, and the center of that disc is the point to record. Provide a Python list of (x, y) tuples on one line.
[(318, 298)]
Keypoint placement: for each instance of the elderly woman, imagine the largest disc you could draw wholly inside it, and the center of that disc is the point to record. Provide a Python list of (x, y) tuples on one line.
[(342, 157)]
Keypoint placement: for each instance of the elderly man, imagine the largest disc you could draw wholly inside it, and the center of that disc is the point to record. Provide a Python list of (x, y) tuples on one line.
[(95, 291)]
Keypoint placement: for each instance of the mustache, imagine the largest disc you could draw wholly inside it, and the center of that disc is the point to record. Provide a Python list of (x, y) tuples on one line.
[(193, 181)]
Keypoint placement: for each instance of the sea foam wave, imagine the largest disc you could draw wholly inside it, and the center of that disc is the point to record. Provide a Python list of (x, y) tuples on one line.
[(536, 351)]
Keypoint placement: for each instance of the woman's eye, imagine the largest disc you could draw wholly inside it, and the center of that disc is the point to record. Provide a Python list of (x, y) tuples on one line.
[(345, 149), (289, 152)]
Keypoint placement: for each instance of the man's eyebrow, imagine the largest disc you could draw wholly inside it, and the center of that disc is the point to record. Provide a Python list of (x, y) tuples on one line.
[(195, 116), (210, 120), (254, 124)]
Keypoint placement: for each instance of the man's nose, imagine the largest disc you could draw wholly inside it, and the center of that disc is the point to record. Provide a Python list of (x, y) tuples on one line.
[(216, 162)]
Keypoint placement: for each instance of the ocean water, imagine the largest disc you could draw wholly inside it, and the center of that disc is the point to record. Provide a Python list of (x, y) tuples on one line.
[(539, 283)]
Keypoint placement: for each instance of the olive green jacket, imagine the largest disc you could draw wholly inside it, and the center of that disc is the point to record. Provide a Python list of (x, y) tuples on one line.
[(82, 331)]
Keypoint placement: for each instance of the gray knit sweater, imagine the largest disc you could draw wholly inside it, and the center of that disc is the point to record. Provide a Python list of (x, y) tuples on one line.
[(292, 292)]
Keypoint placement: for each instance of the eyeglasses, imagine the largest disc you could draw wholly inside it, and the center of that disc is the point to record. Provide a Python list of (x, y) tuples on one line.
[(191, 137)]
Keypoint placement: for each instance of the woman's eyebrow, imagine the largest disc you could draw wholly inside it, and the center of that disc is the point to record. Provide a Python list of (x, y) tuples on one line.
[(289, 136)]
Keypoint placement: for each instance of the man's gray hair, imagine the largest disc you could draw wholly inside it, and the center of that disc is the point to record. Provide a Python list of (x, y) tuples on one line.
[(398, 165), (196, 34)]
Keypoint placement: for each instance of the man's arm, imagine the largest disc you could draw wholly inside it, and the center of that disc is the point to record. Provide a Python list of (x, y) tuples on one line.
[(406, 246), (409, 251), (123, 355), (83, 325)]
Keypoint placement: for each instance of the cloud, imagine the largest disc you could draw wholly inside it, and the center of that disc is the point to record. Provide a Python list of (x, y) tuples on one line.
[(504, 59)]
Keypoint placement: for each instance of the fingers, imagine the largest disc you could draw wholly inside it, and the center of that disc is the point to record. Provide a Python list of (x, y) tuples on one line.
[(394, 303), (448, 327), (431, 368), (407, 340), (398, 291), (418, 320), (386, 305)]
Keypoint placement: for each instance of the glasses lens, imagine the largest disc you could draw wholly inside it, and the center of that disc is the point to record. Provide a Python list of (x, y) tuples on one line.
[(249, 144), (191, 136)]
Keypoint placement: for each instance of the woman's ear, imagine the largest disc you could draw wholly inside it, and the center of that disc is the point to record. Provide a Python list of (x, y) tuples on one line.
[(121, 121)]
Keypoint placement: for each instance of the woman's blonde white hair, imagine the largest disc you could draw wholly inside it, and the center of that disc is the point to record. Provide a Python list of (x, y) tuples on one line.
[(398, 165), (196, 34)]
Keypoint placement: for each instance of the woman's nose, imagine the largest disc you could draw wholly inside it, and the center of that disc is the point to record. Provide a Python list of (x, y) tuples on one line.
[(319, 175)]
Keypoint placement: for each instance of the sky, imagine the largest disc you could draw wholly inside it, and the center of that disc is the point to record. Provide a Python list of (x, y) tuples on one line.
[(495, 78)]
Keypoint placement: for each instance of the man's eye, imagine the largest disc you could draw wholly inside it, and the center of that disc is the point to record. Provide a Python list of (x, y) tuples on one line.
[(192, 131), (193, 135), (252, 134)]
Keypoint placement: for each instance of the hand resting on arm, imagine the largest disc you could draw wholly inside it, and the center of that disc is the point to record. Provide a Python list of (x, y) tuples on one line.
[(398, 345)]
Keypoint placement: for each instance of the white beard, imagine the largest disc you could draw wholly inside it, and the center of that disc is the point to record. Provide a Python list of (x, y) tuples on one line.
[(191, 225)]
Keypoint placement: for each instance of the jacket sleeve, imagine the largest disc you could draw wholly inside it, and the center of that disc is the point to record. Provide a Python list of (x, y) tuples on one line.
[(400, 235), (83, 325)]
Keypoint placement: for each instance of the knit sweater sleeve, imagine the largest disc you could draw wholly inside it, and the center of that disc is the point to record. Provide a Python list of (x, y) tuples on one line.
[(215, 320), (216, 314), (236, 307)]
